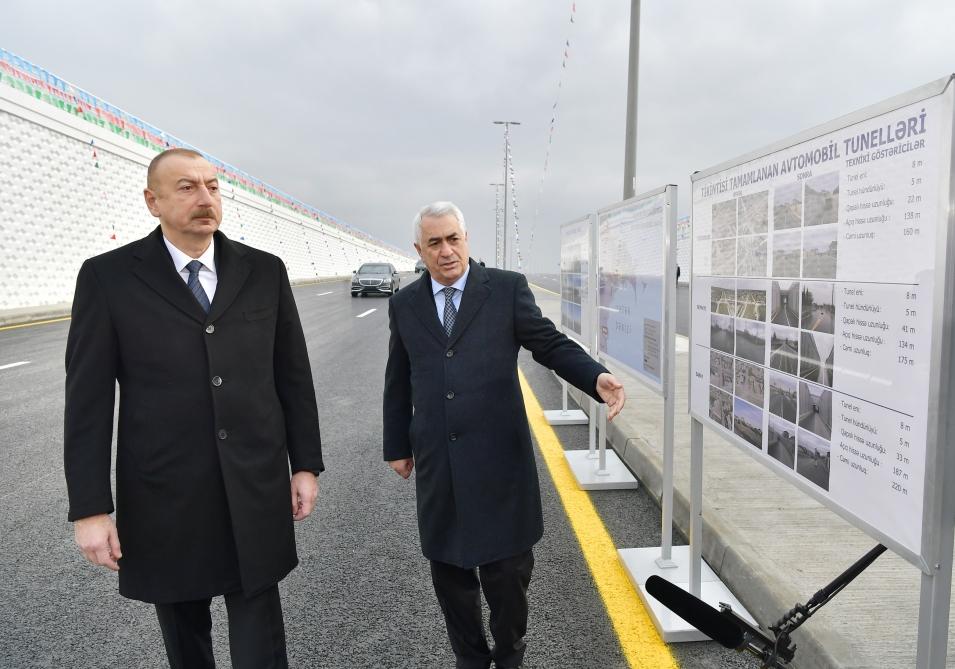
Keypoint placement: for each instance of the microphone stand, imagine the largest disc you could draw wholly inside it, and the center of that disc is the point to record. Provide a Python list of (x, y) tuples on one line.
[(776, 652)]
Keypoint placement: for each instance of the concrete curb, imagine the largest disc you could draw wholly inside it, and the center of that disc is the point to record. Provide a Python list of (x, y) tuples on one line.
[(29, 315), (767, 596), (34, 314)]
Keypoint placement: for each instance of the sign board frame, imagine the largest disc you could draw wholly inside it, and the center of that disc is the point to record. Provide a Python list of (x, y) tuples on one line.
[(586, 335), (667, 288), (938, 475)]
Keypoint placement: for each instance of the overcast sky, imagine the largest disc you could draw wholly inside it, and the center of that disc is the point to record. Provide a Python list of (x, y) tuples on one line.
[(369, 110)]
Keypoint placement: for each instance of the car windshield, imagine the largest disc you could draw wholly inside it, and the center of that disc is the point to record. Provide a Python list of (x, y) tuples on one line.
[(375, 269)]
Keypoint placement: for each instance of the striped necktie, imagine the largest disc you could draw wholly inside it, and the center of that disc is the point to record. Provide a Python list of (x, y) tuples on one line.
[(449, 311), (195, 286)]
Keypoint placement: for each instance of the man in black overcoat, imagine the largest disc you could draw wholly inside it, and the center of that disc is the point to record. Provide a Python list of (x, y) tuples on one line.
[(216, 406), (453, 412)]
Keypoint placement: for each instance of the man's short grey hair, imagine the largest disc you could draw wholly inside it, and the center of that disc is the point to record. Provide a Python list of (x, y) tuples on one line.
[(436, 210)]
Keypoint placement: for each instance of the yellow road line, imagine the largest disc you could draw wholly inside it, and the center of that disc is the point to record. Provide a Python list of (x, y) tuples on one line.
[(546, 290), (30, 325), (641, 645)]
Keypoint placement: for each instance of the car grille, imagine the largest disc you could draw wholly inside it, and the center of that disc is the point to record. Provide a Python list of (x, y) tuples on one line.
[(370, 282)]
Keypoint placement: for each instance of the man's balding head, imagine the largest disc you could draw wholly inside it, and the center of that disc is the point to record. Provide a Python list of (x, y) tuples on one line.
[(160, 158)]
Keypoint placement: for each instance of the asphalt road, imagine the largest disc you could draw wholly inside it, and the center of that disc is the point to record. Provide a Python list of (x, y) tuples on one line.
[(784, 359), (786, 316), (812, 420), (782, 406), (782, 448), (816, 471), (818, 319), (362, 595)]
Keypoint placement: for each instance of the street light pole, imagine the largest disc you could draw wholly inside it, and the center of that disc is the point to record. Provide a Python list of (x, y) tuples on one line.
[(630, 151), (498, 256), (507, 127)]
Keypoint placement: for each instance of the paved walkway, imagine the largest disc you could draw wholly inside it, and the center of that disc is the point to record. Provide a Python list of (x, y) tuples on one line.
[(773, 545)]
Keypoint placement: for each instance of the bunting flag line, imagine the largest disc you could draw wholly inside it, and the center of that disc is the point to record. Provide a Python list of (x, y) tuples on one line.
[(509, 165), (550, 132)]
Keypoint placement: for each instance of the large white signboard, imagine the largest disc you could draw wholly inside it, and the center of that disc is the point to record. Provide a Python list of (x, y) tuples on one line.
[(815, 277), (575, 300), (631, 255)]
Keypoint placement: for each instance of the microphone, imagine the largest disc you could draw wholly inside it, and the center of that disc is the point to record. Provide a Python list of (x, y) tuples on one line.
[(696, 612), (723, 626)]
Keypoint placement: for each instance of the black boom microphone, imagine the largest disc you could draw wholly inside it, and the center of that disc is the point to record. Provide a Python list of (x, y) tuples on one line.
[(696, 612), (723, 626), (730, 630)]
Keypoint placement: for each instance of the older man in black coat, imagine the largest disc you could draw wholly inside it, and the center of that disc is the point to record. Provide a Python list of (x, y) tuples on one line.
[(216, 403), (453, 411)]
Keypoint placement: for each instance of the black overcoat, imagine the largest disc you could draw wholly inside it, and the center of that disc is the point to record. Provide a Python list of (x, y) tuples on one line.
[(212, 410), (455, 404)]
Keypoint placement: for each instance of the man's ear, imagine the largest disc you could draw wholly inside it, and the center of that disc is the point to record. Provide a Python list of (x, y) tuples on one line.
[(417, 247), (150, 198)]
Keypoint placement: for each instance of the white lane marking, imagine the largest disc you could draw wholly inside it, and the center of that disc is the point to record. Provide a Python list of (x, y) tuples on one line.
[(366, 313), (328, 292), (15, 364)]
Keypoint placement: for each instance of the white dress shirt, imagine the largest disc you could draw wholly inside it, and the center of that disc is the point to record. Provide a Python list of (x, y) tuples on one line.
[(207, 273), (438, 291)]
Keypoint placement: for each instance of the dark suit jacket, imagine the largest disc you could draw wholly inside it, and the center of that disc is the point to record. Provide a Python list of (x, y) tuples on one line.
[(203, 502), (455, 404)]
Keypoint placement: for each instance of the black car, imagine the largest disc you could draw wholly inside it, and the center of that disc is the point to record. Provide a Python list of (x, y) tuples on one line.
[(420, 267), (375, 278)]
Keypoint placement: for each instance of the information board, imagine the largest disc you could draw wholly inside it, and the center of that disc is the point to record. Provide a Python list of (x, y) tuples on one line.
[(631, 264), (815, 289), (575, 300)]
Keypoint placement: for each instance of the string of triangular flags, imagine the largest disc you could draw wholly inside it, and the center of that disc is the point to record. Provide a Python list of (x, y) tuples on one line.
[(109, 214), (553, 127)]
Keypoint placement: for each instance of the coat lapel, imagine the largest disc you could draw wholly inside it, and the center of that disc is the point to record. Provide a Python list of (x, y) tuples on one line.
[(476, 292), (232, 269), (425, 309), (156, 270)]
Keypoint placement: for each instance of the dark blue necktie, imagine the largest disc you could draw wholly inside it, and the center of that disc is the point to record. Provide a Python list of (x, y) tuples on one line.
[(449, 311), (196, 287)]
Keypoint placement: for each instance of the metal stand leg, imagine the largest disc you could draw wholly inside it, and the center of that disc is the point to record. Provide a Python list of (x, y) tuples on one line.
[(665, 561), (594, 408), (696, 505), (602, 459)]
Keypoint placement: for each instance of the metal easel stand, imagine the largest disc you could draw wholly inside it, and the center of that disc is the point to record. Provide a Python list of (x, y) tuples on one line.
[(565, 416), (599, 468), (685, 567)]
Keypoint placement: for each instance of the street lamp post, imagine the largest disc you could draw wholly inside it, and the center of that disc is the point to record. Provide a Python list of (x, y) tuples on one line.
[(630, 151), (507, 126)]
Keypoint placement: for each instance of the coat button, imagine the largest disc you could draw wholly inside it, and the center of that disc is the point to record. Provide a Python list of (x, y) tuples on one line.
[(210, 328), (450, 395), (453, 436), (217, 381), (223, 435), (449, 354)]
